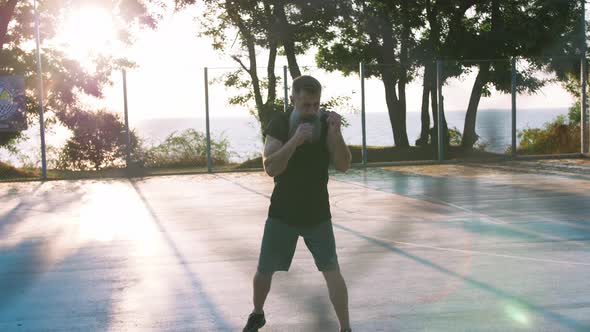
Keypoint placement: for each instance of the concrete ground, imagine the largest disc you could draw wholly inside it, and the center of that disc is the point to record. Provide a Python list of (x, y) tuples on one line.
[(502, 247)]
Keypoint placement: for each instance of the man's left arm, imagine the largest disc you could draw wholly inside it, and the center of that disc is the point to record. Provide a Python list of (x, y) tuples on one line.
[(339, 152)]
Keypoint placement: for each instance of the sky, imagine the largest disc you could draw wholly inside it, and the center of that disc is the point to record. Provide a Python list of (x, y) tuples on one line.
[(169, 80)]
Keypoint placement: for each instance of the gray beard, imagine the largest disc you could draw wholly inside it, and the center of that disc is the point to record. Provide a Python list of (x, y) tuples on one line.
[(296, 119)]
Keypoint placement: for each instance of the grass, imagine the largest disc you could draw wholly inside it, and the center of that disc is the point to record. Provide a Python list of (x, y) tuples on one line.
[(35, 174), (8, 172), (555, 138)]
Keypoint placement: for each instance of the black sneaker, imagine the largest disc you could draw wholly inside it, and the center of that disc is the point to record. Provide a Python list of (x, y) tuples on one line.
[(255, 321)]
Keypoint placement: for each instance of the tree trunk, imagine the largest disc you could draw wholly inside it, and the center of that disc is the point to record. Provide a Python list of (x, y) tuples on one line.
[(265, 114), (254, 74), (483, 76), (425, 117), (398, 118), (264, 109), (284, 32), (469, 134), (392, 77), (430, 78), (6, 13), (394, 107), (392, 104), (434, 105), (294, 70), (401, 110)]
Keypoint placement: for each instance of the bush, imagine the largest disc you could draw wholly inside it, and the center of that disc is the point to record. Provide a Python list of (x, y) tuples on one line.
[(456, 137), (559, 136), (185, 149), (31, 159), (10, 172), (98, 140), (574, 114)]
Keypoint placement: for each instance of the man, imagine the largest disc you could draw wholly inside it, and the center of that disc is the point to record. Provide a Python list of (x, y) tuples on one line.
[(299, 147)]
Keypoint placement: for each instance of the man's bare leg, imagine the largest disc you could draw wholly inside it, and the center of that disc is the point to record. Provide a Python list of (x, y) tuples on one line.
[(262, 282), (338, 296)]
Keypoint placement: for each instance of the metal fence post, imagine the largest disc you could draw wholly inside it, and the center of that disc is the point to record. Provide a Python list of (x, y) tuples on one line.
[(439, 110), (363, 113), (513, 92), (208, 133), (584, 107), (584, 81), (125, 107), (40, 95), (286, 88)]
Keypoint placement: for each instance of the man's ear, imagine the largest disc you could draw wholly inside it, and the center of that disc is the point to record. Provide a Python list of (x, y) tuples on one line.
[(291, 99)]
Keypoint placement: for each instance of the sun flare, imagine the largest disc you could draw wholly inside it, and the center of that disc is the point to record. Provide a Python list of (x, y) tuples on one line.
[(86, 33)]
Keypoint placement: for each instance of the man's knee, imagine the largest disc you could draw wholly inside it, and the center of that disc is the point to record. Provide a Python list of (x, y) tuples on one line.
[(333, 274), (263, 275)]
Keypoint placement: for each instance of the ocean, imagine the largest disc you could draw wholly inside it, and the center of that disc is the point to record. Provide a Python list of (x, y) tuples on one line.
[(243, 133)]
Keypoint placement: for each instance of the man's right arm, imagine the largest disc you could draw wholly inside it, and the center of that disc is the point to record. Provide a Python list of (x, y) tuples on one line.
[(276, 154)]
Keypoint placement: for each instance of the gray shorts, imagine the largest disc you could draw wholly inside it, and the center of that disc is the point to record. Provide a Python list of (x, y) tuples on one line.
[(280, 240)]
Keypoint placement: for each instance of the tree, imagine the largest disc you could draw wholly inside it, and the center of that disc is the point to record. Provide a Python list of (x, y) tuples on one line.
[(66, 80), (292, 26), (98, 140), (567, 68), (381, 34), (446, 24), (300, 24), (530, 29), (250, 22), (396, 37)]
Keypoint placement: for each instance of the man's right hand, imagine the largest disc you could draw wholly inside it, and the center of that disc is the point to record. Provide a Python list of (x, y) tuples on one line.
[(276, 154), (304, 133)]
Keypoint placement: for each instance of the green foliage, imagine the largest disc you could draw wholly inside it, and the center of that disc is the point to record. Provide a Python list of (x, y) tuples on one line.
[(184, 149), (9, 172), (98, 141), (9, 141), (65, 79), (574, 114), (244, 95), (455, 136), (303, 22), (557, 136), (373, 33)]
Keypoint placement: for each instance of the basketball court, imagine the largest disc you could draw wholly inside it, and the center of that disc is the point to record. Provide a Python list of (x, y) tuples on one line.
[(482, 247)]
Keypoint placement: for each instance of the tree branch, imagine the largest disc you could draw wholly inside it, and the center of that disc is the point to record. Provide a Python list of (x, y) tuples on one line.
[(272, 56), (272, 79), (250, 45), (237, 59), (6, 13)]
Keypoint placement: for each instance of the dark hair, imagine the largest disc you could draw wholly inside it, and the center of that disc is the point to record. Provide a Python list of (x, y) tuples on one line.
[(308, 84)]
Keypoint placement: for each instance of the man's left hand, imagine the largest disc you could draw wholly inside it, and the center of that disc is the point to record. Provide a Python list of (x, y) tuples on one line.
[(334, 122)]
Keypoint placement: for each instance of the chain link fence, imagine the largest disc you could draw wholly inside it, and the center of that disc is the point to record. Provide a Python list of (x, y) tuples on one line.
[(477, 110)]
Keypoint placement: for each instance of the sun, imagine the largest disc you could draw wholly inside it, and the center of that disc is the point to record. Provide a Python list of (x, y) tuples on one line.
[(87, 32)]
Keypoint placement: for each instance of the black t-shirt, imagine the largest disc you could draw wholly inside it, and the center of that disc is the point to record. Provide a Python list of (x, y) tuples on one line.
[(300, 196)]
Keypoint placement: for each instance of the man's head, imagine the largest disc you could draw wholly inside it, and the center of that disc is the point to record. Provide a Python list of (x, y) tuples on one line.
[(307, 92)]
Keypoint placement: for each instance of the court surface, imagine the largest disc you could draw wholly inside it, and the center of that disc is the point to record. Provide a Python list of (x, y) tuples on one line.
[(501, 247)]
